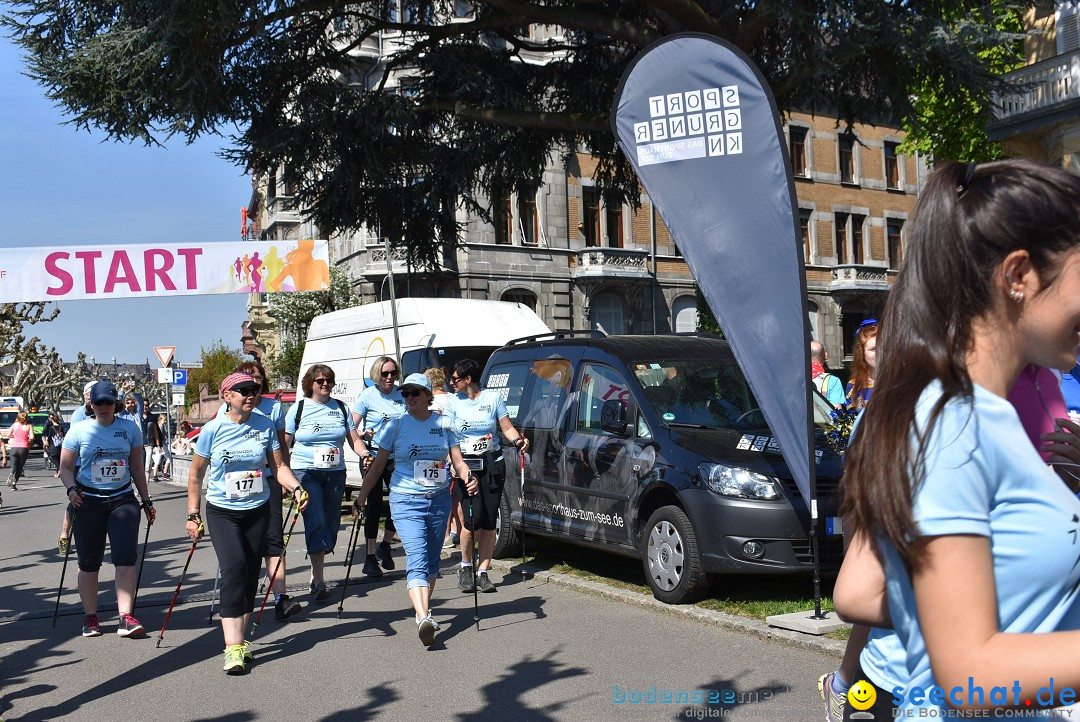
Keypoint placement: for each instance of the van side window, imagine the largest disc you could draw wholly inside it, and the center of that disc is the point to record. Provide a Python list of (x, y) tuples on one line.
[(509, 380), (599, 384), (546, 397)]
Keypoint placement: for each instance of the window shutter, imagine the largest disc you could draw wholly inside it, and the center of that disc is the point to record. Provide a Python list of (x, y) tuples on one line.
[(1068, 26)]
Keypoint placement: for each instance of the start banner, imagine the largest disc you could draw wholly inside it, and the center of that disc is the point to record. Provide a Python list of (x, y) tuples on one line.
[(162, 269)]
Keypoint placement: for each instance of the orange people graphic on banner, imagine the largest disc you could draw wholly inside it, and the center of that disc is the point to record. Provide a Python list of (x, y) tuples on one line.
[(308, 273)]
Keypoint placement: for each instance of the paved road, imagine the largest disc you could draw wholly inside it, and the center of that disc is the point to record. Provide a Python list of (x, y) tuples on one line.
[(543, 652)]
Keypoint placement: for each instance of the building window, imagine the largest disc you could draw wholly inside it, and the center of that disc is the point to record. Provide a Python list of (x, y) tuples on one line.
[(857, 247), (893, 232), (805, 214), (526, 298), (614, 227), (504, 221), (847, 158), (892, 166), (606, 313), (271, 186), (798, 152), (528, 218), (590, 215), (684, 314), (840, 223)]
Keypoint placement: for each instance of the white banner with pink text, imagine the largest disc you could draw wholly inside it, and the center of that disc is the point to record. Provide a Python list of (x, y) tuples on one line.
[(162, 269)]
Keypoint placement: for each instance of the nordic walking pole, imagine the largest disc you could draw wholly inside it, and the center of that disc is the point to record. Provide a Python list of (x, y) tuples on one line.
[(161, 634), (285, 548), (354, 536), (521, 505), (213, 596), (138, 577), (63, 570), (284, 521), (475, 563)]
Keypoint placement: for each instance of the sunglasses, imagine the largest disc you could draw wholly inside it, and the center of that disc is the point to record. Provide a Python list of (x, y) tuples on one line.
[(409, 393), (247, 391), (388, 374), (324, 382), (455, 379)]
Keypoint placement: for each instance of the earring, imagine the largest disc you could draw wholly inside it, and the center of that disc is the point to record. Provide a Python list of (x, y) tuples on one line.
[(1017, 296)]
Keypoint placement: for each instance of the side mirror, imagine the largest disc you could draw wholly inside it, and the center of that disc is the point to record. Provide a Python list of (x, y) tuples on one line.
[(613, 416)]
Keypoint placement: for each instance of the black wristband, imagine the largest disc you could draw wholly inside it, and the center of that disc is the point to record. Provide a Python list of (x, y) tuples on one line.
[(195, 518), (71, 489), (147, 504)]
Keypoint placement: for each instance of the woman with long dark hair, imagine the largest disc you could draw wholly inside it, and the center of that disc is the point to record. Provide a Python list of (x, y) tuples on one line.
[(976, 535)]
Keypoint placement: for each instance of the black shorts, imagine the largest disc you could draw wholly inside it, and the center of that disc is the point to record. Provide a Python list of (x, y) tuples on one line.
[(275, 537), (482, 509), (116, 517)]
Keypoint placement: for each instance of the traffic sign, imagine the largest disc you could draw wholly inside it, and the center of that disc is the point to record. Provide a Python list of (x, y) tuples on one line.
[(165, 376), (178, 399), (189, 364), (179, 377), (164, 354)]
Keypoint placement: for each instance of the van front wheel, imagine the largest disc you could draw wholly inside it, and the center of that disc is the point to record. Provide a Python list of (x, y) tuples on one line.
[(669, 555)]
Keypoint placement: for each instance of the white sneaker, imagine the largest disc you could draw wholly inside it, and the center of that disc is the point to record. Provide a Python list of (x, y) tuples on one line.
[(834, 701), (426, 629)]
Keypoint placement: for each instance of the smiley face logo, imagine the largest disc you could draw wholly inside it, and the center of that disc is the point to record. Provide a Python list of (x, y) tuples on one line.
[(862, 696)]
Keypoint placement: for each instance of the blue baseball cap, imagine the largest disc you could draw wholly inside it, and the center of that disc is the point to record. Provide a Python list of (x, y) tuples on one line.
[(102, 391)]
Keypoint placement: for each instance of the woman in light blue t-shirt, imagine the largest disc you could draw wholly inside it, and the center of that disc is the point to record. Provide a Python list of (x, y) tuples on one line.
[(236, 448), (318, 461), (419, 491), (977, 537)]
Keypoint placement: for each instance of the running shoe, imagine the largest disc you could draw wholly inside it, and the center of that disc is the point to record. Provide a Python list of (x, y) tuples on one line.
[(286, 607), (454, 538), (129, 626), (63, 545), (465, 579), (426, 629), (248, 656), (483, 583), (447, 543), (371, 567), (320, 591), (90, 626), (385, 556), (834, 701), (234, 659)]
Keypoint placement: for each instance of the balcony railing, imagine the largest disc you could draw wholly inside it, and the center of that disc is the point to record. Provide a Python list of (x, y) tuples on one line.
[(859, 278), (1039, 87), (375, 263), (624, 263)]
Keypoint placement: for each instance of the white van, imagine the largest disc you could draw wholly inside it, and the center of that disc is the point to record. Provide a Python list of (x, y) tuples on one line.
[(432, 331)]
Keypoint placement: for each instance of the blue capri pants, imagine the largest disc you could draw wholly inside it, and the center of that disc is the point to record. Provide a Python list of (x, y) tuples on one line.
[(421, 523), (322, 517)]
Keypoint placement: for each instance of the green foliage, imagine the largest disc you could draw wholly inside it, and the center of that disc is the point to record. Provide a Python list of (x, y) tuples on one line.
[(477, 114), (950, 122), (218, 361), (283, 367), (706, 321)]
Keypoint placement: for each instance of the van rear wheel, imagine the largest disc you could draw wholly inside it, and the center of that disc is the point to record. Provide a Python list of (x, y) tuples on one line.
[(507, 539), (669, 555)]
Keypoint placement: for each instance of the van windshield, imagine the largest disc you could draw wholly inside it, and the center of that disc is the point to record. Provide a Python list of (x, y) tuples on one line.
[(706, 392), (7, 418)]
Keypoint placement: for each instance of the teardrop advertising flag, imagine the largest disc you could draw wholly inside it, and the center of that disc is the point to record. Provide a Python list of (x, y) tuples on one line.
[(700, 126)]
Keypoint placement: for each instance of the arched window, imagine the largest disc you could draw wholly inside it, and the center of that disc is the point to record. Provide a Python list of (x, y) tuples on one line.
[(606, 313), (518, 295), (684, 318)]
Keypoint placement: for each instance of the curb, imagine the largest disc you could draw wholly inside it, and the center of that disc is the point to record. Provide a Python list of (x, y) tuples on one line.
[(723, 620)]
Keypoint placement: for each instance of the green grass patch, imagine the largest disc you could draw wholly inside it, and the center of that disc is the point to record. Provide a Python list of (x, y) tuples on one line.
[(753, 596)]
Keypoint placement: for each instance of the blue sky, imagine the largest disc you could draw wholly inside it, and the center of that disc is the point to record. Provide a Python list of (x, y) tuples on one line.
[(62, 187)]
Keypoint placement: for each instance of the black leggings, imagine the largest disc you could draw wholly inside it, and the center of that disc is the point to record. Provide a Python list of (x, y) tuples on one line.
[(484, 505), (18, 460), (239, 539), (374, 506), (117, 517)]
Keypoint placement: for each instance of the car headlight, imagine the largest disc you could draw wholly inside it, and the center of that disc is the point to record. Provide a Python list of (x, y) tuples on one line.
[(741, 483)]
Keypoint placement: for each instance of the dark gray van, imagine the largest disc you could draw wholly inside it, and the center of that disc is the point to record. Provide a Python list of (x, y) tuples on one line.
[(654, 447)]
